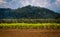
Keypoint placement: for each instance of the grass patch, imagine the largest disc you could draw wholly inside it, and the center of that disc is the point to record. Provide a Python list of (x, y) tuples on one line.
[(30, 26)]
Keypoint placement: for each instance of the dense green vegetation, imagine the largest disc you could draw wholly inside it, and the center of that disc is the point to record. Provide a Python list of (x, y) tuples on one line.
[(30, 26), (29, 17), (29, 20), (28, 12)]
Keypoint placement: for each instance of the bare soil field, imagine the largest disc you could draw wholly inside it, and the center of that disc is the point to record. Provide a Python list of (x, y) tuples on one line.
[(29, 33)]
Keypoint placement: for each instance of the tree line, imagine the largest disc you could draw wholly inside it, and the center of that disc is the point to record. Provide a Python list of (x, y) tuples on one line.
[(29, 20)]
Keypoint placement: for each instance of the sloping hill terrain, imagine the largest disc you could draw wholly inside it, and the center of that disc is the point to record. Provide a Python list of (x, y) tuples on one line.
[(28, 12)]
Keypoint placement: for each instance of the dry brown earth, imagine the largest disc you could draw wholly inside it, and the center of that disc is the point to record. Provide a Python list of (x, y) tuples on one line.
[(29, 33)]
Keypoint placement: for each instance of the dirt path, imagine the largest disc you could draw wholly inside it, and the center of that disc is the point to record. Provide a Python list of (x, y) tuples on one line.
[(29, 33)]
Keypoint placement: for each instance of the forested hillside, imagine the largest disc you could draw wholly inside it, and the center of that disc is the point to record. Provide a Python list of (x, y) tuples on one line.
[(28, 12)]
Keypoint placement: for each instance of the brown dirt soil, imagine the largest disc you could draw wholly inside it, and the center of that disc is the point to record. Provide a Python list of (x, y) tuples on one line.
[(29, 33)]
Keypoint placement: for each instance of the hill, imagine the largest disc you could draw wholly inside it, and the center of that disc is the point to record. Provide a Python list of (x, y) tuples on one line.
[(28, 12)]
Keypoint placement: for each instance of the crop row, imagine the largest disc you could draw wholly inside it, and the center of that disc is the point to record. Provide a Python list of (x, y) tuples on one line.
[(30, 26)]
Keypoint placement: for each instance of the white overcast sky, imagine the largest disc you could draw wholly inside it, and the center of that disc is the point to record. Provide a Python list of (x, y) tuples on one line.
[(50, 4)]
